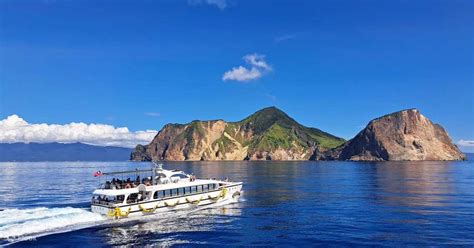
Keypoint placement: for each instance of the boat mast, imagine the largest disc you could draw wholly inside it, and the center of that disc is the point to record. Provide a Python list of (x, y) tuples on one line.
[(156, 167)]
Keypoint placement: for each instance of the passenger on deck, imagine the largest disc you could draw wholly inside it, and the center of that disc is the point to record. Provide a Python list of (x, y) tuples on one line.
[(118, 184)]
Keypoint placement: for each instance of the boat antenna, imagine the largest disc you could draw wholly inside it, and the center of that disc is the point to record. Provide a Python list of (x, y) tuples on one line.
[(158, 166)]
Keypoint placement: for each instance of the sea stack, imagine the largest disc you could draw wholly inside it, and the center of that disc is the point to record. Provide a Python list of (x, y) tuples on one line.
[(401, 136)]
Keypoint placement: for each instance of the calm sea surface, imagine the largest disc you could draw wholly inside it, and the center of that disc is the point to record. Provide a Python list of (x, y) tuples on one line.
[(284, 204)]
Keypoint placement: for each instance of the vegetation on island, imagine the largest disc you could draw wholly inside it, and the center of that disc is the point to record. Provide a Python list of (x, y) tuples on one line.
[(260, 134)]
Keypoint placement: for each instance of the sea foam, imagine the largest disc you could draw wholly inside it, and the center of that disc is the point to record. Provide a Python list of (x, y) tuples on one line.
[(21, 224), (25, 224)]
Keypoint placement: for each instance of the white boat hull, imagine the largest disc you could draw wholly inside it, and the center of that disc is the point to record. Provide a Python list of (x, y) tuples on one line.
[(151, 207)]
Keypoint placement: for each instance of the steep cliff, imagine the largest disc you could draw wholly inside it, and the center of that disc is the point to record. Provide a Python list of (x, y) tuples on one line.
[(404, 135), (268, 134)]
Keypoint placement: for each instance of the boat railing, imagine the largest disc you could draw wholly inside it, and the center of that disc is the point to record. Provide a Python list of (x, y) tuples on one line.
[(123, 185), (134, 184), (118, 185)]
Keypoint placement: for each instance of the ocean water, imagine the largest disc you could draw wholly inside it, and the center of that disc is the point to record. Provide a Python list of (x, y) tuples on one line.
[(284, 204)]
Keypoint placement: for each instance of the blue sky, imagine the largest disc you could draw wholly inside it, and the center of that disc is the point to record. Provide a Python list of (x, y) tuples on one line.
[(333, 65)]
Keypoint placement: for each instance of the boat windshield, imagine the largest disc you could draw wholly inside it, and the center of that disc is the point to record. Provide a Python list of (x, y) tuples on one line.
[(180, 175)]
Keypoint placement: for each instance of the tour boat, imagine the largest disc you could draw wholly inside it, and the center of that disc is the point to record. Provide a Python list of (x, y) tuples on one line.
[(162, 190)]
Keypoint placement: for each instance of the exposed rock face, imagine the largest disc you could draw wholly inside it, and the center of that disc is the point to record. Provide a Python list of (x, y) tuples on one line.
[(404, 135), (269, 134)]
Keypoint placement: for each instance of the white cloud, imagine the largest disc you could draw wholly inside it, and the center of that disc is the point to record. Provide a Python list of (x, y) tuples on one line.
[(257, 60), (15, 129), (221, 4), (258, 67), (290, 36), (242, 74), (154, 114), (271, 97), (466, 145), (285, 37)]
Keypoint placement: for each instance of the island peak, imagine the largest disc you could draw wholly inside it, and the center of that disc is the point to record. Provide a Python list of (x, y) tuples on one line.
[(402, 135), (268, 134)]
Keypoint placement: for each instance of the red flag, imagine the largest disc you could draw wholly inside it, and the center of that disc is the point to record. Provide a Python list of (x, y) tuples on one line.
[(97, 174)]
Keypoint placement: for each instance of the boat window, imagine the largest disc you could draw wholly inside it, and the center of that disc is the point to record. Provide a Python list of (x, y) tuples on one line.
[(132, 198), (161, 175), (103, 199), (188, 190), (181, 191), (193, 189), (158, 194), (174, 192), (199, 188), (165, 193), (180, 175), (205, 187)]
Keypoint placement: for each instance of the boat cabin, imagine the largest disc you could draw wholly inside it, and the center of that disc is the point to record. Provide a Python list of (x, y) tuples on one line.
[(129, 187)]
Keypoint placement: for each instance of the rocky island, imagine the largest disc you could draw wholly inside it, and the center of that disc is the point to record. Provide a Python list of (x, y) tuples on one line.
[(270, 134), (403, 135)]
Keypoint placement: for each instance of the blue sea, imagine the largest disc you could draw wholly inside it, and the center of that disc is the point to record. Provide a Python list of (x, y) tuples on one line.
[(391, 204)]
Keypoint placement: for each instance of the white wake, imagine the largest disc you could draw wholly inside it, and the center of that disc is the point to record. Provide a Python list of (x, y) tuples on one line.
[(23, 224)]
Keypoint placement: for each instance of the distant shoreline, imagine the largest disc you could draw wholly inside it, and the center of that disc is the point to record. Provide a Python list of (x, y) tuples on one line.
[(470, 157)]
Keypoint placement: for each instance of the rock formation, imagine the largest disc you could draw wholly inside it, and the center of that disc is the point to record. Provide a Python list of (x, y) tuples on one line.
[(404, 135), (269, 134)]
